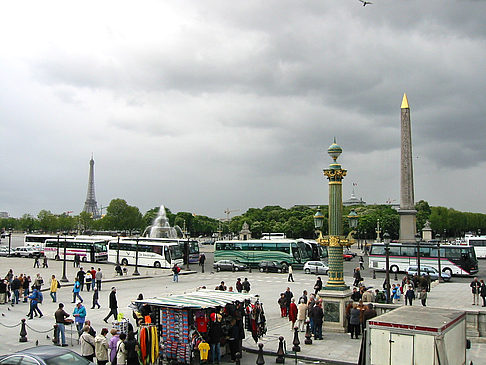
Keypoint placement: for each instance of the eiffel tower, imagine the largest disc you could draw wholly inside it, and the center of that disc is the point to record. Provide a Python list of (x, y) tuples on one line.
[(90, 205)]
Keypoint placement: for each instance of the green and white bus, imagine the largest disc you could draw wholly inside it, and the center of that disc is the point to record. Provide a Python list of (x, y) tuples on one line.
[(252, 252)]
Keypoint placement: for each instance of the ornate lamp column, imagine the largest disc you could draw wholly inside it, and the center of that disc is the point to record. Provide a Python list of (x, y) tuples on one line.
[(336, 293)]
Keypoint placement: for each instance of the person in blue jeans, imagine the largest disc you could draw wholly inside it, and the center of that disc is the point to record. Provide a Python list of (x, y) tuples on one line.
[(61, 316), (76, 290), (215, 334), (35, 298), (175, 270), (15, 286), (79, 315)]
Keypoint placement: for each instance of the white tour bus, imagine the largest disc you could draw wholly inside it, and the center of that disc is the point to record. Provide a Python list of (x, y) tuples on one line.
[(151, 252), (38, 240), (479, 244), (88, 250)]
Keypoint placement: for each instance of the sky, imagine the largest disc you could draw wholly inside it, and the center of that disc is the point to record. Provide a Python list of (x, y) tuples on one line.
[(211, 105)]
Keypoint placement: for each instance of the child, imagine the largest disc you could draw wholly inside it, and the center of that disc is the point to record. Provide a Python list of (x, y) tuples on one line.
[(95, 299)]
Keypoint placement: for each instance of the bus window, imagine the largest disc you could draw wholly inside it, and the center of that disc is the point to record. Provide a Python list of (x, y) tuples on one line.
[(253, 246), (409, 251), (157, 249), (377, 250), (296, 252), (395, 251), (425, 251), (269, 246)]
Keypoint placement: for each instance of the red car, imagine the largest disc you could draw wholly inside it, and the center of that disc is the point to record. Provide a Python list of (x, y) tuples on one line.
[(347, 256)]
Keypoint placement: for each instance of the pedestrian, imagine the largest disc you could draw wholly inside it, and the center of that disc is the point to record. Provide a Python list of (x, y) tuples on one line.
[(239, 285), (215, 334), (292, 313), (3, 291), (113, 306), (91, 331), (291, 276), (317, 316), (54, 286), (303, 297), (475, 288), (368, 314), (77, 260), (357, 277), (15, 287), (101, 347), (36, 261), (317, 285), (282, 302), (121, 352), (347, 315), (395, 294), (131, 345), (246, 286), (35, 298), (221, 286), (87, 280), (482, 292), (112, 344), (361, 262), (95, 299), (80, 275), (44, 263), (93, 277), (409, 295), (301, 314), (310, 305), (38, 282), (99, 277), (60, 315), (118, 270), (25, 287), (354, 321), (76, 290), (288, 297), (175, 271), (423, 297), (87, 344), (79, 315), (356, 295), (202, 259)]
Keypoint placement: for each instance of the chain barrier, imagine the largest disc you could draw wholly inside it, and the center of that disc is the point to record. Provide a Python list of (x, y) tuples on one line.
[(15, 325), (49, 330)]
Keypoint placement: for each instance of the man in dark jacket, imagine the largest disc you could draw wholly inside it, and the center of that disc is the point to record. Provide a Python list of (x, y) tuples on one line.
[(215, 334), (81, 274), (246, 285), (317, 315), (15, 286), (368, 313), (475, 288), (113, 306)]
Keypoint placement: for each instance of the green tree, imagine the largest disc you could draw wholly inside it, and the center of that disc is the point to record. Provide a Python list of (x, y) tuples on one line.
[(120, 216), (47, 221)]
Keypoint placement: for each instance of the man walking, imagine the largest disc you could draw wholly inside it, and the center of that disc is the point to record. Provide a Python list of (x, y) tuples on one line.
[(54, 287), (80, 275), (291, 276), (99, 277), (202, 259), (113, 306)]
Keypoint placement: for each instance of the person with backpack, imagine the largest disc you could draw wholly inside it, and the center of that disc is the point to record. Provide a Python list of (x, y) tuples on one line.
[(176, 270), (87, 280), (76, 290), (35, 298), (54, 286)]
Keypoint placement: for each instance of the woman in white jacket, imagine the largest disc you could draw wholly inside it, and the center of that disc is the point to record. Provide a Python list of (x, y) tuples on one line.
[(87, 344), (101, 347)]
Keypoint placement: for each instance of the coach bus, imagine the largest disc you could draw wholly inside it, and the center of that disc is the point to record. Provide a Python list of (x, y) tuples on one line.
[(87, 250), (251, 252), (181, 242), (479, 244), (154, 252), (38, 240), (454, 259)]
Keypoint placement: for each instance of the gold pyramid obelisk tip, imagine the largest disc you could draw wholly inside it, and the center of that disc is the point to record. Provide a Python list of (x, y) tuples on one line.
[(405, 102)]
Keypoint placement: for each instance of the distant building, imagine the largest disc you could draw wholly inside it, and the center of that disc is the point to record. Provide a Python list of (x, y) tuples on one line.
[(3, 214), (245, 233), (353, 201)]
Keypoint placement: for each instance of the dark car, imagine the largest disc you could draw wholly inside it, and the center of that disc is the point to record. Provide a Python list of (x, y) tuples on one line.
[(272, 266), (228, 265), (45, 355)]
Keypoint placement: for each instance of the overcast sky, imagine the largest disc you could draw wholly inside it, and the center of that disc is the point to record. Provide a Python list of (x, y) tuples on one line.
[(208, 105)]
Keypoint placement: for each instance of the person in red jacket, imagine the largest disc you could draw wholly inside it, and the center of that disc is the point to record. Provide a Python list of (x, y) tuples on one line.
[(292, 313)]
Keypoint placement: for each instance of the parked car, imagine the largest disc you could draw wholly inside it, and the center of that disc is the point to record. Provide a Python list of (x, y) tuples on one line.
[(347, 251), (26, 251), (347, 256), (432, 271), (3, 251), (44, 355), (228, 265), (316, 267), (272, 266)]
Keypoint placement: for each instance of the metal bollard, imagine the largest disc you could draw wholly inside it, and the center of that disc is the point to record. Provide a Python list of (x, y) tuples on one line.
[(280, 351), (260, 360), (23, 332), (55, 340), (395, 278), (308, 335), (374, 274), (296, 341)]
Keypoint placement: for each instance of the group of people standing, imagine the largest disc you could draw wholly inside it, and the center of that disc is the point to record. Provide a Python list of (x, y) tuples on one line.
[(478, 289)]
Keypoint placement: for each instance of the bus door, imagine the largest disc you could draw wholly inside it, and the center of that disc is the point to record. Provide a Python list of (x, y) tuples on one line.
[(466, 262), (167, 254), (296, 252)]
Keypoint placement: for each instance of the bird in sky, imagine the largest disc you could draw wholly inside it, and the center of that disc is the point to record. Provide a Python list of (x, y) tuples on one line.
[(365, 2)]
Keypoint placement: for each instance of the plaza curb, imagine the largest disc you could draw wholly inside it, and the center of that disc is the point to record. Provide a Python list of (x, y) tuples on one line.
[(290, 356)]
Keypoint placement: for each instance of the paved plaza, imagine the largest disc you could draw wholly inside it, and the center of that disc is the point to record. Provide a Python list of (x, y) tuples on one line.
[(337, 348)]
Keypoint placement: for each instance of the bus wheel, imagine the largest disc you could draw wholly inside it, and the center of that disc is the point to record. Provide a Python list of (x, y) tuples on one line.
[(57, 258), (394, 269), (157, 265), (285, 267), (447, 271), (124, 262)]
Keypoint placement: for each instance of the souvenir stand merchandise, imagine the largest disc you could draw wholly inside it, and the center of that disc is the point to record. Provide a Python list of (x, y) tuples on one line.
[(121, 326), (180, 323)]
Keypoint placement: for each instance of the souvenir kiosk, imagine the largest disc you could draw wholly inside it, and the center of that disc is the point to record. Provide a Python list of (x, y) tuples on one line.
[(172, 328)]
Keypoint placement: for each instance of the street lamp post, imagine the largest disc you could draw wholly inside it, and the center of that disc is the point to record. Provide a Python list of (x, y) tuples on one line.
[(365, 243), (378, 230), (64, 278), (118, 249), (438, 257), (9, 241), (417, 239), (188, 250), (136, 273), (386, 238), (57, 254)]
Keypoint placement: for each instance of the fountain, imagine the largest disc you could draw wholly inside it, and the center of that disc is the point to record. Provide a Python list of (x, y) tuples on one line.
[(161, 228)]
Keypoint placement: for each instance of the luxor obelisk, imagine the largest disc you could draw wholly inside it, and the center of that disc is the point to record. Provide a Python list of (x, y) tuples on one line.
[(407, 210)]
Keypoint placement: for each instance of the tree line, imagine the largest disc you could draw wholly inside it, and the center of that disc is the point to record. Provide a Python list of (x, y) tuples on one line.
[(295, 222)]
